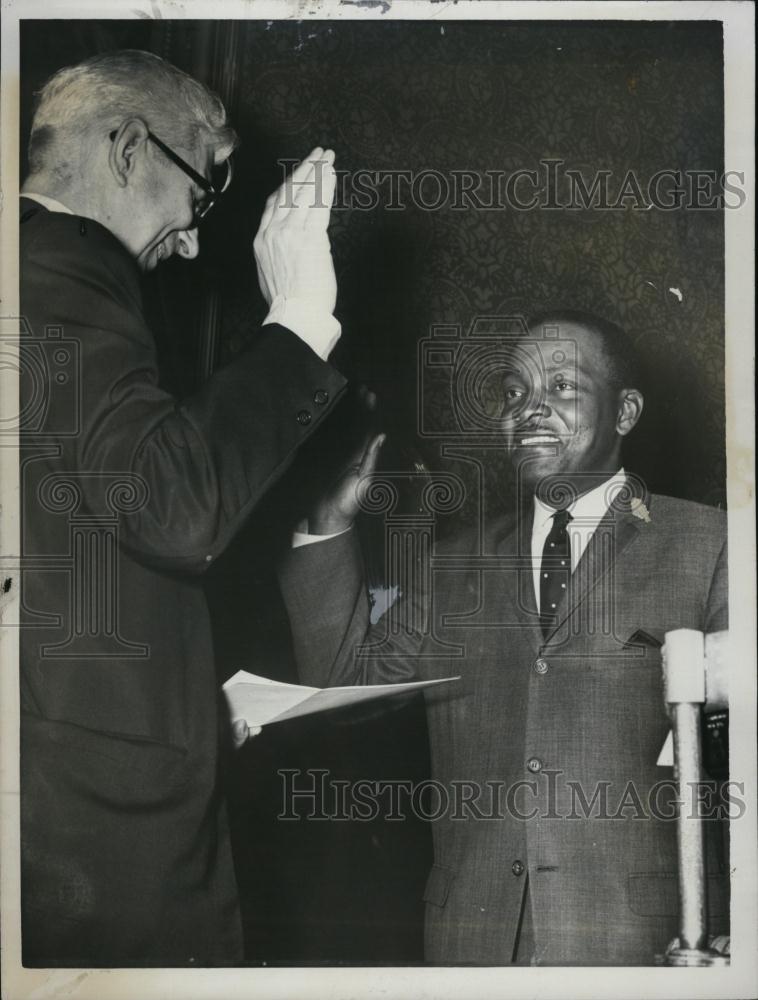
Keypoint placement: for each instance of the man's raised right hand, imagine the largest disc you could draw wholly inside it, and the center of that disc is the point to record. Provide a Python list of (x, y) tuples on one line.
[(292, 250), (339, 505)]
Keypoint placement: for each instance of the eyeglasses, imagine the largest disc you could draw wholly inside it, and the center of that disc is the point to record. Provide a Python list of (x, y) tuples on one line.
[(212, 189)]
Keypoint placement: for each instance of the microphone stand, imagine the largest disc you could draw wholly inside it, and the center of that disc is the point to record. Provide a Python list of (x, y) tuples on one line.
[(685, 694)]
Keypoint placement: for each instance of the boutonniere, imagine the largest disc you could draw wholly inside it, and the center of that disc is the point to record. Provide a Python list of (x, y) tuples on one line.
[(639, 510)]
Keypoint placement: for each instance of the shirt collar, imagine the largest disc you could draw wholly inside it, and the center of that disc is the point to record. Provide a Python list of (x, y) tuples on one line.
[(590, 506), (49, 203)]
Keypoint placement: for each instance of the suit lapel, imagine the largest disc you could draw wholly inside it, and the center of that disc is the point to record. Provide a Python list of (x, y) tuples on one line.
[(615, 533)]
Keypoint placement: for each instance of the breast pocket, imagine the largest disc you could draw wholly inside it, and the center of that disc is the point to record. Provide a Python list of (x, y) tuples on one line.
[(627, 646)]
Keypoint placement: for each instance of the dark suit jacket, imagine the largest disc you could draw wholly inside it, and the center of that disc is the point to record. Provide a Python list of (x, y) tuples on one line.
[(128, 496), (530, 717)]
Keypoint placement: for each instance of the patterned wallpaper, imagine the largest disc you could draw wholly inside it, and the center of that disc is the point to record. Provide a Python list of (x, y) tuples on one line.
[(448, 97), (466, 96), (458, 96)]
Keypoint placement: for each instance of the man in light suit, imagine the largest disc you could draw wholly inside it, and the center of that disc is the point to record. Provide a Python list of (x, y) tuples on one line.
[(553, 615), (129, 495)]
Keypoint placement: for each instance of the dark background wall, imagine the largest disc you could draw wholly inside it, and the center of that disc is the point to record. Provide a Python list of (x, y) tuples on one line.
[(413, 96), (620, 97)]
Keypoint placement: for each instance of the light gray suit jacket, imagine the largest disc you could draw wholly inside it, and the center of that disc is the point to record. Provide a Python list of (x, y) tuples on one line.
[(537, 726)]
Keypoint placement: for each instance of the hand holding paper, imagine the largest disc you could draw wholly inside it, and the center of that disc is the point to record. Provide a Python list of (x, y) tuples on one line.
[(260, 701), (241, 733)]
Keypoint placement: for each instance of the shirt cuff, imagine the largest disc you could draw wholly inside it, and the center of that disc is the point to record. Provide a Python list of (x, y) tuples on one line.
[(318, 330), (304, 538)]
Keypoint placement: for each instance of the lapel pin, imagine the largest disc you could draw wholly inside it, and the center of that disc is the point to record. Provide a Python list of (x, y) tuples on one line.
[(639, 510)]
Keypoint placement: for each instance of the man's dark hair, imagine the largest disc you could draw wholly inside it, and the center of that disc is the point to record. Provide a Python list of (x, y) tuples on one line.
[(625, 368)]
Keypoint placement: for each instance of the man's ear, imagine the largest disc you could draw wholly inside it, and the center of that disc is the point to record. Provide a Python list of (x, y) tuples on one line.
[(129, 142), (631, 402)]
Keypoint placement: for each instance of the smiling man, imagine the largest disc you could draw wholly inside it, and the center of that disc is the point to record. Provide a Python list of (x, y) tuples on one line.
[(128, 496), (570, 400), (555, 842)]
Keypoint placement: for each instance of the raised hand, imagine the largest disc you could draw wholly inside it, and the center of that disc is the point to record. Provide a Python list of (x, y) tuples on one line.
[(339, 505), (292, 250)]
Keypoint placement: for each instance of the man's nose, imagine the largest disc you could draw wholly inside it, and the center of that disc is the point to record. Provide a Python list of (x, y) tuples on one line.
[(538, 408), (188, 244), (541, 406)]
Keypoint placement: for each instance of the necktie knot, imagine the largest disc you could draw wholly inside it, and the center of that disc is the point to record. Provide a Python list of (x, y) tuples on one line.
[(561, 518)]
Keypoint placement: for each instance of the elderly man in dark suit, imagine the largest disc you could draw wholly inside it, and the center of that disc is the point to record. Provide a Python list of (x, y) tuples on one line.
[(564, 851), (129, 495)]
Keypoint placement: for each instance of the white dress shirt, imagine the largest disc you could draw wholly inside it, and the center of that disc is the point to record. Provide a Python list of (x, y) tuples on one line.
[(49, 203), (301, 536), (320, 332), (587, 511)]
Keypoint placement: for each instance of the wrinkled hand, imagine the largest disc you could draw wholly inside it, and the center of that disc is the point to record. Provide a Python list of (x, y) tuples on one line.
[(241, 733), (292, 250), (339, 506)]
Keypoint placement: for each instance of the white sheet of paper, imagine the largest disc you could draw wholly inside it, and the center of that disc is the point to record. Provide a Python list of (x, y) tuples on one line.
[(260, 701)]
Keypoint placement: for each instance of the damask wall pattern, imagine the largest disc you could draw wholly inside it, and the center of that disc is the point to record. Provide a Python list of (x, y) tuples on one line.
[(427, 96), (453, 96)]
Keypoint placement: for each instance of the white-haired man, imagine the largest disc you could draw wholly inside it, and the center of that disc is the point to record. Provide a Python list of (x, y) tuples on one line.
[(129, 496)]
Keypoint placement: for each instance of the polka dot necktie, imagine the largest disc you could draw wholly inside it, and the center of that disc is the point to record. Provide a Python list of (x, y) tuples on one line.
[(555, 570)]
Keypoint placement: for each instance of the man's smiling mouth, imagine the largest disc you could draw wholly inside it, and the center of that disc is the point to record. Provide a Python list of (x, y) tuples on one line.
[(527, 440)]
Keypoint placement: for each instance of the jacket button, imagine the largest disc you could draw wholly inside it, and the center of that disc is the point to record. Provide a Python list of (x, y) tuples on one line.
[(320, 397), (540, 666), (517, 868), (534, 764), (304, 418)]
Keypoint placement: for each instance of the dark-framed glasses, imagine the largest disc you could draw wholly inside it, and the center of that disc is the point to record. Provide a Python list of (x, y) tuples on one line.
[(212, 190)]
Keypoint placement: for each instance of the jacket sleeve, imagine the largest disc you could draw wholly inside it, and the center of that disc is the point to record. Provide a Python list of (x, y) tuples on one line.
[(196, 467), (329, 610)]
